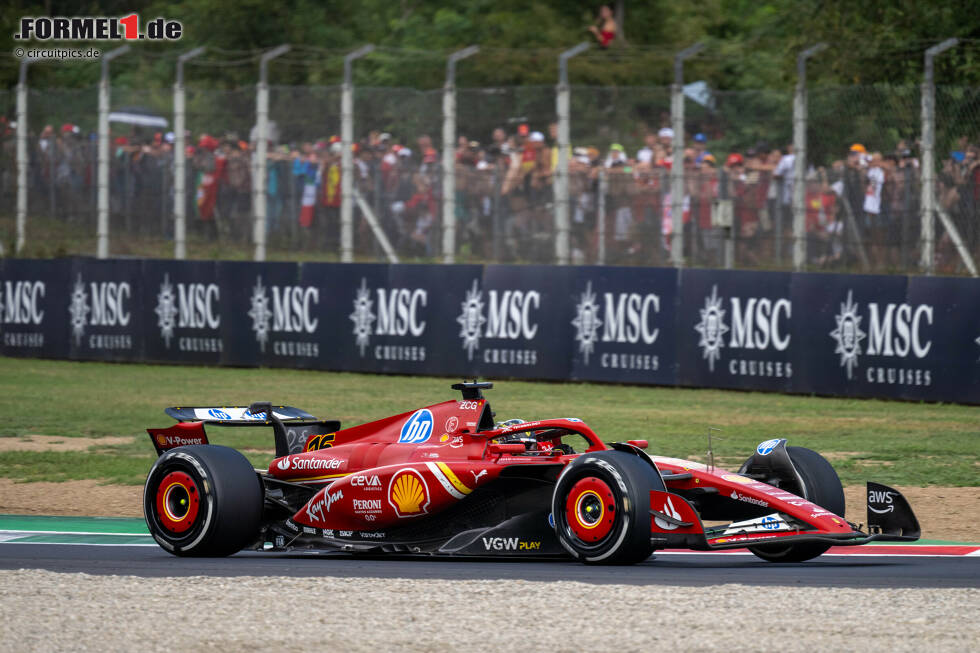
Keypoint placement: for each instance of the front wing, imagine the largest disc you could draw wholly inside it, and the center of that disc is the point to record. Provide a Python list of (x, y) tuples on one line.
[(676, 524)]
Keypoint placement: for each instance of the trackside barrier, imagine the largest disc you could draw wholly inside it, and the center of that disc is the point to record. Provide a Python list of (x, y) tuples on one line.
[(847, 335)]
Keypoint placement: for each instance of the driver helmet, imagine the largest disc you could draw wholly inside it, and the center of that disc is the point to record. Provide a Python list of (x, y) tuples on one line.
[(521, 436)]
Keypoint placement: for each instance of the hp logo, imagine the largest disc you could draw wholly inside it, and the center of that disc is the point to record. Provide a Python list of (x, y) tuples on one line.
[(417, 428)]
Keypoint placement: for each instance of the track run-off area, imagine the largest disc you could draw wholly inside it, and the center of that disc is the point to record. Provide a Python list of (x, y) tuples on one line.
[(102, 584)]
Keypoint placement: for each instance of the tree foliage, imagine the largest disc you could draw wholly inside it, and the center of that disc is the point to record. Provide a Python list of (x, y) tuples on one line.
[(751, 44)]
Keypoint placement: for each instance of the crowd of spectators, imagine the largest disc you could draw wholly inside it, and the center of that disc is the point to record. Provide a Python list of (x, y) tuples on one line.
[(862, 209)]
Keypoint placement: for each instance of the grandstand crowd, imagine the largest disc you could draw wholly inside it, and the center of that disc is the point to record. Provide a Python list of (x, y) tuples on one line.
[(864, 205)]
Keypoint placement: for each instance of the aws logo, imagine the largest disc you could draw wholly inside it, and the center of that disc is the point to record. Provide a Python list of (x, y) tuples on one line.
[(320, 441)]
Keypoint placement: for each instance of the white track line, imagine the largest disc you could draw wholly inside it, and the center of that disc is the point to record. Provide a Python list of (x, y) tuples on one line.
[(825, 555), (737, 554), (25, 533), (80, 544)]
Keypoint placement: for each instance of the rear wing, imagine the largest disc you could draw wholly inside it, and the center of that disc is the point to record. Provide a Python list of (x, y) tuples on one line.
[(235, 415), (294, 430)]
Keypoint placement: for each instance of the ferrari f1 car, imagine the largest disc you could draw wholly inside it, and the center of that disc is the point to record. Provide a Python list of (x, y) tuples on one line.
[(448, 480)]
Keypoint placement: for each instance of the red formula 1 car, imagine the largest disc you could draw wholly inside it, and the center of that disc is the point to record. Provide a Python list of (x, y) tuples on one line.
[(446, 480)]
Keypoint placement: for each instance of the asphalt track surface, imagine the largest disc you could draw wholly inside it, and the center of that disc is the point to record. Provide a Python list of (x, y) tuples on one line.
[(663, 569)]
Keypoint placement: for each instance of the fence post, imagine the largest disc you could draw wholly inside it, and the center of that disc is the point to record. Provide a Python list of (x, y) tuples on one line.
[(601, 217), (102, 230), (346, 157), (498, 236), (52, 164), (180, 158), (928, 200), (448, 154), (560, 183), (260, 162), (22, 161), (799, 160), (677, 155)]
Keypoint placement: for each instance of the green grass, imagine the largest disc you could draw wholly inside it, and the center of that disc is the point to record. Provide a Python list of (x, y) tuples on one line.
[(892, 442), (50, 237)]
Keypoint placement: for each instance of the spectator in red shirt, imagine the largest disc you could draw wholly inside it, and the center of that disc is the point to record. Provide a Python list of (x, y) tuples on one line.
[(604, 29), (423, 205)]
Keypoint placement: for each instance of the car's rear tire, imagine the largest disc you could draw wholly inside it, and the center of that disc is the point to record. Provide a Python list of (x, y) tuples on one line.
[(203, 500), (822, 486), (601, 507)]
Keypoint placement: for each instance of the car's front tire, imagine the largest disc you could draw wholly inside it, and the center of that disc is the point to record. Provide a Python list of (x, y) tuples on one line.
[(601, 507), (822, 486), (203, 500)]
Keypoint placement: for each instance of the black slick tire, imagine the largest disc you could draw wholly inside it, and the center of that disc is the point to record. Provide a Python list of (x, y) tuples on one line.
[(822, 486), (618, 485), (203, 500)]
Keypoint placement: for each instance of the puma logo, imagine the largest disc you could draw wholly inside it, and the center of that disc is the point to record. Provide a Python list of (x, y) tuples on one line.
[(476, 477)]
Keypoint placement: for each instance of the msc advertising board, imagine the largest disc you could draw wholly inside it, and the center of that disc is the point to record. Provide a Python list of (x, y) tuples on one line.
[(892, 337)]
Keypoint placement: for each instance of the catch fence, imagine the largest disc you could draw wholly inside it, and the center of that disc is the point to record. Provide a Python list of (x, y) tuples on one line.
[(862, 180)]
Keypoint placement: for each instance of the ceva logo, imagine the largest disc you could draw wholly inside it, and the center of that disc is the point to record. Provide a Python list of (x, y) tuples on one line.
[(417, 428)]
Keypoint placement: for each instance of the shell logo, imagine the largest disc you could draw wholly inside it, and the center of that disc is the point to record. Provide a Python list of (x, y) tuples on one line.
[(162, 439), (408, 493)]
